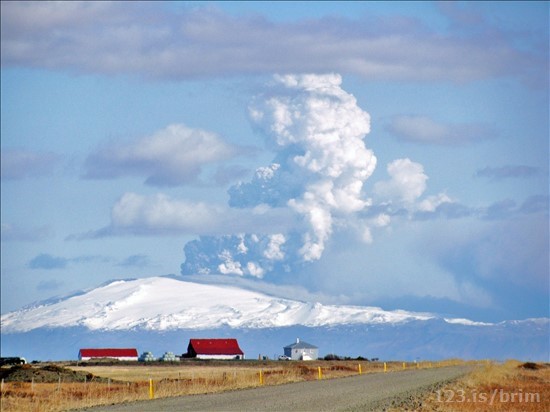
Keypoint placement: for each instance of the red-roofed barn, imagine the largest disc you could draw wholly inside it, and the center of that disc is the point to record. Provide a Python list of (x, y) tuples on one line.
[(214, 349), (123, 354)]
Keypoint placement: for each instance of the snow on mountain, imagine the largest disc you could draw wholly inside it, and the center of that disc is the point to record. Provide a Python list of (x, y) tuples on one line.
[(161, 313), (163, 303), (463, 321)]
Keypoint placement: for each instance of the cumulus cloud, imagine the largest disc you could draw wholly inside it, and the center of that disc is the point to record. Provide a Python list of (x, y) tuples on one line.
[(422, 129), (431, 203), (507, 172), (170, 157), (320, 128), (322, 162), (20, 164), (270, 185), (243, 255), (406, 184), (148, 40), (159, 214), (318, 174)]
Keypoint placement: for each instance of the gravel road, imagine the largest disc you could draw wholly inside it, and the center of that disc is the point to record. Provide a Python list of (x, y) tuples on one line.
[(357, 393)]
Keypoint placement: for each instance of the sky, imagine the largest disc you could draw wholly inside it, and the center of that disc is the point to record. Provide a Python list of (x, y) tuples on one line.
[(391, 154)]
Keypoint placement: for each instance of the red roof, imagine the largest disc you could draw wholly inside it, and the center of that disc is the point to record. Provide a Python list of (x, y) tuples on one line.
[(215, 347), (108, 353)]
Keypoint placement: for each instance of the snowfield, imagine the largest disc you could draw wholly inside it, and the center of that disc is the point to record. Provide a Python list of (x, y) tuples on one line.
[(163, 303)]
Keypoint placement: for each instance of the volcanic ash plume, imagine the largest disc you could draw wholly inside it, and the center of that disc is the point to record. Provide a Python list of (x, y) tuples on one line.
[(317, 130)]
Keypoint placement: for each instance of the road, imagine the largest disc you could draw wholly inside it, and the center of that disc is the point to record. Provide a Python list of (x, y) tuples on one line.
[(356, 393)]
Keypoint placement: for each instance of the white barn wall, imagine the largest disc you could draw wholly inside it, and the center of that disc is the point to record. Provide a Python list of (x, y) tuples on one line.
[(220, 357)]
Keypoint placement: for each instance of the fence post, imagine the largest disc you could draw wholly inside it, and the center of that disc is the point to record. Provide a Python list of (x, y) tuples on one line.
[(320, 373), (404, 366), (360, 371), (385, 367), (151, 389), (261, 377)]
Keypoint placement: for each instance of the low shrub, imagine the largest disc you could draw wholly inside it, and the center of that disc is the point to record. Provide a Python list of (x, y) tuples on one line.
[(529, 365)]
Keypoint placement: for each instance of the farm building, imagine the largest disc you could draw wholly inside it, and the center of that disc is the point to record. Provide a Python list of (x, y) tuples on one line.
[(214, 349), (123, 354), (301, 350)]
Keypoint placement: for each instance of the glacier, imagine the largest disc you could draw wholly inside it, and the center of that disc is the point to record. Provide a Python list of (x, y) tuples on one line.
[(163, 303)]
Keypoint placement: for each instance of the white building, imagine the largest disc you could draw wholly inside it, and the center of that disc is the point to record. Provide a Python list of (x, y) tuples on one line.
[(301, 350)]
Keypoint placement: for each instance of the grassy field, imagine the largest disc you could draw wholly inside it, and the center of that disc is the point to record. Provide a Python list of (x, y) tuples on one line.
[(510, 386), (79, 386)]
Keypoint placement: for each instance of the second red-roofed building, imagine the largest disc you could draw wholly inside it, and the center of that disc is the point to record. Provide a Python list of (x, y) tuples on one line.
[(214, 349), (124, 354)]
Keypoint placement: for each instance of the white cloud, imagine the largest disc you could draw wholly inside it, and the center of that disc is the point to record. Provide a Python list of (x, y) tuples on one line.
[(407, 182), (160, 213), (273, 250), (322, 162), (171, 156), (241, 254), (381, 220), (146, 39), (135, 214), (321, 128), (229, 266), (431, 203), (255, 270)]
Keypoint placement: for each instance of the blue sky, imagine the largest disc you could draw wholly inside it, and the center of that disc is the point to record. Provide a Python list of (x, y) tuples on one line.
[(374, 153)]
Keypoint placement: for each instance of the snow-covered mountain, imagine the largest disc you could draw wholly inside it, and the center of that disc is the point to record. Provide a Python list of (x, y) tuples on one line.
[(160, 313), (163, 303)]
